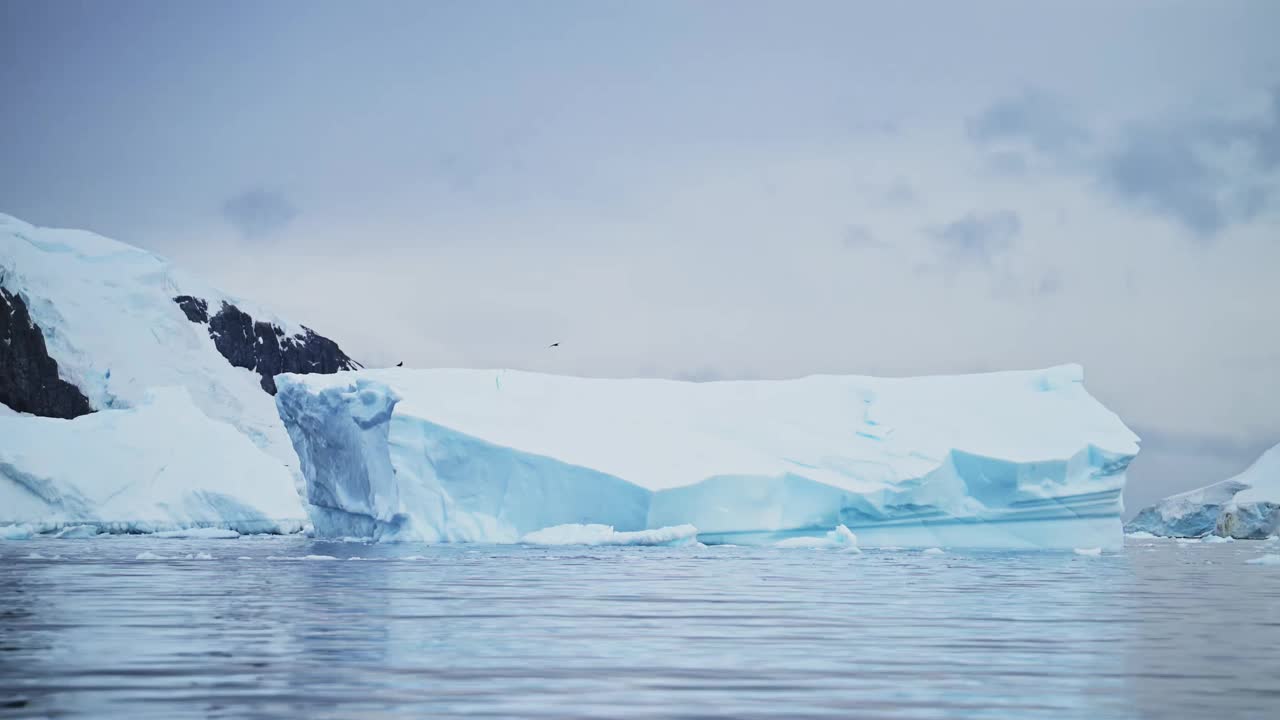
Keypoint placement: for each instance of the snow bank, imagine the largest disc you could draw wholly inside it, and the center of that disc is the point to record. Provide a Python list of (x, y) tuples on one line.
[(1246, 506), (1002, 460), (161, 465), (606, 535)]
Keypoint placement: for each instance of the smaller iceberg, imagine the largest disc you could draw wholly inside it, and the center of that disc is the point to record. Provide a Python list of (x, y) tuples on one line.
[(1245, 507)]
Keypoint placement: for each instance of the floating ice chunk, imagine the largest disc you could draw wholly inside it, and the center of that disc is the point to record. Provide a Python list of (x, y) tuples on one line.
[(1023, 460), (415, 557), (202, 533), (1265, 560), (244, 557), (1088, 552), (148, 555), (15, 532), (571, 534), (200, 556), (1216, 539), (933, 551), (842, 538), (1140, 535), (77, 532)]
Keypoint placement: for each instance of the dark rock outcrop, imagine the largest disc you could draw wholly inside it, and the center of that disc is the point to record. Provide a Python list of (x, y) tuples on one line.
[(29, 379), (263, 347)]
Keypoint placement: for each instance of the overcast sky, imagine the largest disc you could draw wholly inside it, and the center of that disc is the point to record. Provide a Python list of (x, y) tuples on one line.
[(701, 190)]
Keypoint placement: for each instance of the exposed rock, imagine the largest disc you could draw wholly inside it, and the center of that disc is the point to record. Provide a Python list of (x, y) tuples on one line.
[(29, 380), (263, 347)]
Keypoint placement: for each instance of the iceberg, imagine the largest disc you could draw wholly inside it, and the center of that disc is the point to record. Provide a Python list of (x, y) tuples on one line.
[(161, 465), (1015, 460), (1246, 507)]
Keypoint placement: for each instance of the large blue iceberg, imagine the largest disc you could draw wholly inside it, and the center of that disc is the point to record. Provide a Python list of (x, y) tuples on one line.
[(1022, 460)]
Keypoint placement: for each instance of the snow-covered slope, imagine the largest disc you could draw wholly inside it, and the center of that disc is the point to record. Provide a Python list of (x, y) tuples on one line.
[(1245, 506), (1017, 459), (160, 465), (91, 325)]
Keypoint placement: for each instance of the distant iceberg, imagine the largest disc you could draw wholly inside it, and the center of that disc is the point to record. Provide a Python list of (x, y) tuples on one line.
[(1246, 506), (1021, 460)]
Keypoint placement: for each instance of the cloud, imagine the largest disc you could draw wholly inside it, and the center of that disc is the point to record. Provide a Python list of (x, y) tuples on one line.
[(1034, 118), (258, 213), (861, 237), (1164, 172), (1187, 169), (977, 239)]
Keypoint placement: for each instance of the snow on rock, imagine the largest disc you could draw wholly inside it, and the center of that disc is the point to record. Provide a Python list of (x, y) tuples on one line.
[(606, 535), (112, 328), (160, 465), (1246, 506), (1001, 460)]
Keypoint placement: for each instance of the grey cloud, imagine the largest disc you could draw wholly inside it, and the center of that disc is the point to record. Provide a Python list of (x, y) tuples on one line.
[(1034, 117), (1173, 168), (860, 237), (1165, 173), (976, 239), (258, 213)]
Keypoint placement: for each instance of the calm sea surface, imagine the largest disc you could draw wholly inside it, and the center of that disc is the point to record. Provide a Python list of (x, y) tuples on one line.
[(1162, 630)]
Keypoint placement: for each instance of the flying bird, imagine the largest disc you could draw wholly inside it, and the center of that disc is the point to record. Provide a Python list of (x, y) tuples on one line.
[(400, 364), (554, 344)]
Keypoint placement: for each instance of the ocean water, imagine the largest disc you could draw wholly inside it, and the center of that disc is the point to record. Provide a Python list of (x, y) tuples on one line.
[(1162, 630)]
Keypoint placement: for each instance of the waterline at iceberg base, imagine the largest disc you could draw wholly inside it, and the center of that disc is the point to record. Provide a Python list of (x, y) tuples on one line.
[(1016, 460)]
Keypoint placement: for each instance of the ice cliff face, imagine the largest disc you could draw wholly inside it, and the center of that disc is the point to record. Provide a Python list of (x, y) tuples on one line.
[(1008, 460), (91, 325), (1246, 506)]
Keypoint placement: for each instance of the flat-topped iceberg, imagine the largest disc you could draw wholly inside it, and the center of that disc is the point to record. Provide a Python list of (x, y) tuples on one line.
[(999, 460), (1246, 506), (162, 465)]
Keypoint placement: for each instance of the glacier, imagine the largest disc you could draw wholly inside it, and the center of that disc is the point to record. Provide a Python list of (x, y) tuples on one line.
[(161, 465), (1246, 507), (111, 325), (1012, 460)]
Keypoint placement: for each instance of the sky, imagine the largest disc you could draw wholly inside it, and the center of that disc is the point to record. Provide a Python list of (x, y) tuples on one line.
[(701, 190)]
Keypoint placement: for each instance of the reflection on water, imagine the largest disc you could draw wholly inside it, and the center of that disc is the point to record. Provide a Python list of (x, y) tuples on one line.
[(1163, 630)]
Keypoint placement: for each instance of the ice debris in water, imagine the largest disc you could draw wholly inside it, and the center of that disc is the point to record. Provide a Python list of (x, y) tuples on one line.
[(148, 555), (1141, 535), (15, 532), (77, 532), (933, 551), (1265, 560), (201, 533), (842, 538), (1088, 552), (577, 534), (1216, 539)]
